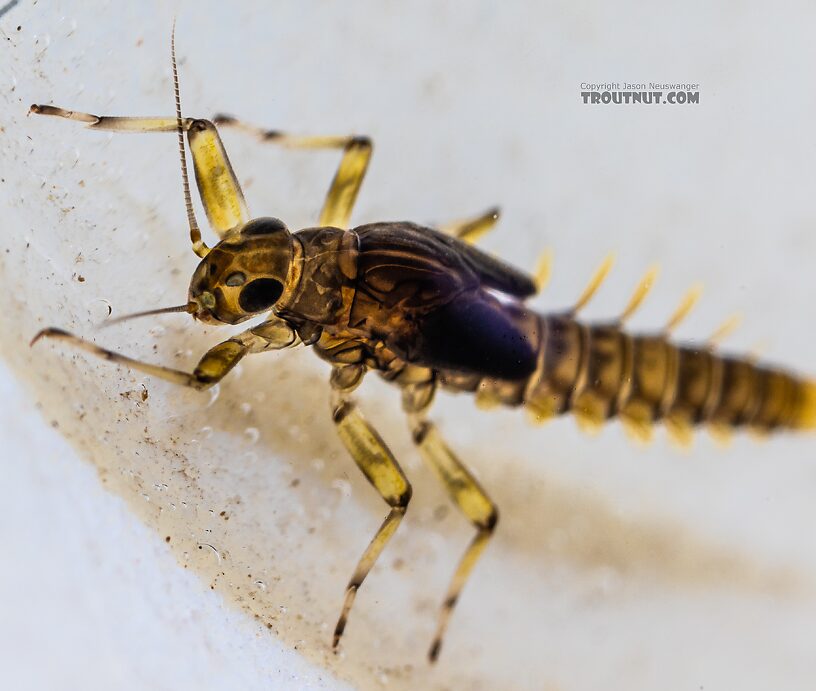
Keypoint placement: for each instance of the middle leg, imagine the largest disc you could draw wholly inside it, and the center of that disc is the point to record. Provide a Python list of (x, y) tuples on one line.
[(350, 173)]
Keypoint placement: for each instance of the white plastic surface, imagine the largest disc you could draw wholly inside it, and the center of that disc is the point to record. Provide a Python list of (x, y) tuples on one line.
[(614, 566)]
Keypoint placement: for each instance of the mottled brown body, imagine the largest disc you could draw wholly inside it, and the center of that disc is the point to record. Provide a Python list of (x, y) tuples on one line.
[(391, 297)]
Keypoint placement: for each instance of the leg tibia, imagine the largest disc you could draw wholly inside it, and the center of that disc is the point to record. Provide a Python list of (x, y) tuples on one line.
[(381, 469)]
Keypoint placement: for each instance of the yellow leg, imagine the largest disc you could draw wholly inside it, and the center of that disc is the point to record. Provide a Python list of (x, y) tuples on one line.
[(373, 457), (213, 366), (349, 176), (220, 191), (463, 489), (469, 230)]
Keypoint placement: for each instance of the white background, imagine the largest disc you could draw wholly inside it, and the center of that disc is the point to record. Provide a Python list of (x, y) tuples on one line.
[(614, 565)]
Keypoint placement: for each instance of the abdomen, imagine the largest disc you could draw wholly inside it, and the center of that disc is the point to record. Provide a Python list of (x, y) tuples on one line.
[(599, 372)]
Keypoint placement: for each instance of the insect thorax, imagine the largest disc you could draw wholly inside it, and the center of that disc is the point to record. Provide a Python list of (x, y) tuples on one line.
[(325, 269)]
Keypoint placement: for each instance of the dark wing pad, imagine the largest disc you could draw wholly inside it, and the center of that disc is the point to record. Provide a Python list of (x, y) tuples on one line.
[(476, 333), (418, 266)]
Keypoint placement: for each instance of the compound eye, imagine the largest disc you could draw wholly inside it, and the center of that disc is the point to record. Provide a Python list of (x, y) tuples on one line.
[(260, 294), (235, 279)]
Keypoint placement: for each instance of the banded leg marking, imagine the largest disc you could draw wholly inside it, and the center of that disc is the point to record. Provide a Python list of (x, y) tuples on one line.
[(380, 468), (220, 190), (463, 489), (350, 173), (213, 366)]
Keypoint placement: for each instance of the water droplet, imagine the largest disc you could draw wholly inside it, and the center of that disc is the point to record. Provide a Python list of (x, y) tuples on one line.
[(156, 330), (214, 392), (282, 609), (343, 486), (206, 432), (146, 497), (99, 309), (252, 434), (261, 585), (246, 408), (202, 545)]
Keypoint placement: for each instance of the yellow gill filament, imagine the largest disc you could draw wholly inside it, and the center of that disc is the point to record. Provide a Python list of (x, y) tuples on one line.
[(724, 330), (471, 231), (686, 304), (543, 270), (594, 283), (640, 293)]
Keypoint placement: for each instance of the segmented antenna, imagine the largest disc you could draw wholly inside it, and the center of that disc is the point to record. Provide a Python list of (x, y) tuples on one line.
[(189, 307), (195, 232)]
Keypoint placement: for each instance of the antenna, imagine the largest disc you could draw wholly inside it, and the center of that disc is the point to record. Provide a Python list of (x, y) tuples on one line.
[(195, 232), (189, 307)]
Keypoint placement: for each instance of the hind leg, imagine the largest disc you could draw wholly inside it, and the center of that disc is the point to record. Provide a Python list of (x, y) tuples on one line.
[(463, 489), (379, 466)]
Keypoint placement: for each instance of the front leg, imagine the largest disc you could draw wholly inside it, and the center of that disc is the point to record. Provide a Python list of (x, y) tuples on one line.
[(218, 186), (272, 334)]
